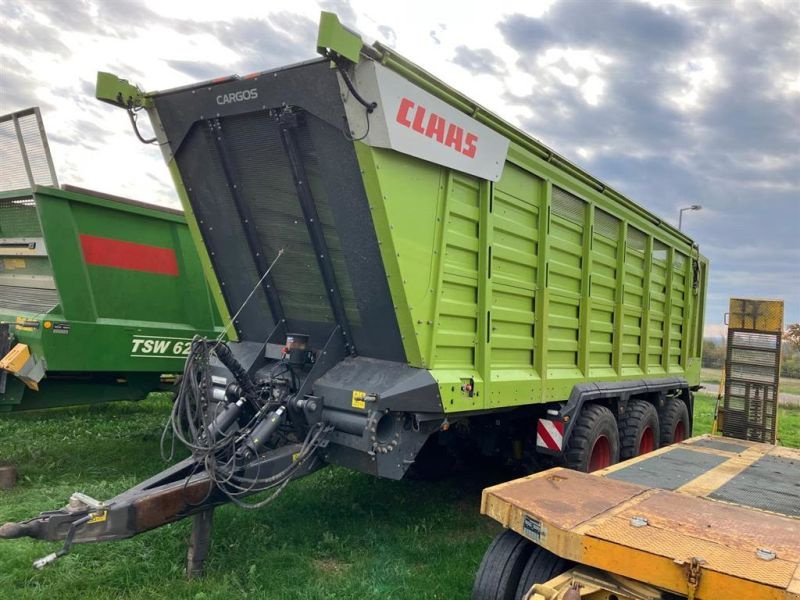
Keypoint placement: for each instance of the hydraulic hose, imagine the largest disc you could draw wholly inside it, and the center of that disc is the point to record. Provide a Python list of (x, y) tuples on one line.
[(240, 374)]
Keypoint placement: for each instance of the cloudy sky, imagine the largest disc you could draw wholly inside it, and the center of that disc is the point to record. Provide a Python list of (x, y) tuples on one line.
[(673, 102)]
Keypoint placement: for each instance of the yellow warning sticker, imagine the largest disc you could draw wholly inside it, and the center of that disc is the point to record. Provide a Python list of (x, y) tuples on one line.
[(14, 263), (98, 517), (358, 399)]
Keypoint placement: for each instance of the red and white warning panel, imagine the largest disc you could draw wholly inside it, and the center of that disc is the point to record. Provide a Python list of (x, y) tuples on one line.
[(410, 120), (550, 435)]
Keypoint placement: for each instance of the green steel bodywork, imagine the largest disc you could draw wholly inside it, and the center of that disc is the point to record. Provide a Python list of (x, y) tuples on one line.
[(564, 304), (85, 332), (492, 285)]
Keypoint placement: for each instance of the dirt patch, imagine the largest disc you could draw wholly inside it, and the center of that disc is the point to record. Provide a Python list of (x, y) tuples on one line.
[(331, 566)]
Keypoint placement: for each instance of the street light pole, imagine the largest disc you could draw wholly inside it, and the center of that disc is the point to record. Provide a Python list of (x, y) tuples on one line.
[(683, 210)]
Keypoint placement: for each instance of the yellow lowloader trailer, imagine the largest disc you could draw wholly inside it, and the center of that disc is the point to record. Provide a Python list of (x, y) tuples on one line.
[(711, 517)]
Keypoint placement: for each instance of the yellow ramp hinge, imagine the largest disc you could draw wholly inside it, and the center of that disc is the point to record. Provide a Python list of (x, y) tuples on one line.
[(23, 365)]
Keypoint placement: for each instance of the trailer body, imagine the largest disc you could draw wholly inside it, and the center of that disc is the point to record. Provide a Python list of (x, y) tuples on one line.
[(525, 286), (457, 287), (711, 517), (104, 293)]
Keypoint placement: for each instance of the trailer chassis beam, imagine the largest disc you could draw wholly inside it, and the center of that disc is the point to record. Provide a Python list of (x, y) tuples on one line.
[(180, 491)]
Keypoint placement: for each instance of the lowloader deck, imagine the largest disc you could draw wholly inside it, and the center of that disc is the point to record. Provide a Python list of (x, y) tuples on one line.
[(710, 517)]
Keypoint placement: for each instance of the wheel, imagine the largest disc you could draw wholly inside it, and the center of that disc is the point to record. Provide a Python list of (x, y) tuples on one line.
[(639, 431), (501, 567), (541, 567), (674, 417), (594, 442)]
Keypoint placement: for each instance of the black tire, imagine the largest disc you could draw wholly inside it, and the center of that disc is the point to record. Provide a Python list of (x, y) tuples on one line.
[(638, 427), (541, 567), (593, 423), (501, 567), (674, 418)]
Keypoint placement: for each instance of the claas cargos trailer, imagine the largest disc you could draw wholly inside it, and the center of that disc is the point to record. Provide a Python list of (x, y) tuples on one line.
[(99, 295), (406, 274), (711, 517)]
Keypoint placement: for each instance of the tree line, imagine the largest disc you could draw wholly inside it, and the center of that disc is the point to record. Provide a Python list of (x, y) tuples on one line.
[(714, 352)]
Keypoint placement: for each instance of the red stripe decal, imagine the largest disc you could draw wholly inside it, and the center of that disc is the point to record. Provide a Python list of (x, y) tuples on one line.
[(549, 442), (105, 252)]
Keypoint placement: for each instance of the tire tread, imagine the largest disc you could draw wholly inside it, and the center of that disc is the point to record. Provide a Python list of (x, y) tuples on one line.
[(630, 427), (502, 565), (580, 442)]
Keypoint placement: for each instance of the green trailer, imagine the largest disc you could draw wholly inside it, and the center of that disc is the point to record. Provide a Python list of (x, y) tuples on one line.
[(99, 295), (409, 278)]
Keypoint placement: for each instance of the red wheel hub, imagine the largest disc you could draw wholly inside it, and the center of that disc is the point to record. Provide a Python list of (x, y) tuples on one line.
[(600, 457), (679, 434), (648, 441)]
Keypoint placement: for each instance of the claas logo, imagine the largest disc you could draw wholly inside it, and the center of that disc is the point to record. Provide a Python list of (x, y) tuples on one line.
[(417, 118)]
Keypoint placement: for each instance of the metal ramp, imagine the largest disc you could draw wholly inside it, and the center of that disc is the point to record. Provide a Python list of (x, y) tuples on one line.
[(749, 408), (24, 151)]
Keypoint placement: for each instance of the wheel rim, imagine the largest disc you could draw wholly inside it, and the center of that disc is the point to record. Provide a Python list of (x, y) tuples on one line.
[(680, 433), (601, 454), (648, 441)]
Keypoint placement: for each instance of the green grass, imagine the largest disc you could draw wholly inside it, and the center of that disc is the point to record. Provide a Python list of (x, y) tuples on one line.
[(788, 420), (336, 534)]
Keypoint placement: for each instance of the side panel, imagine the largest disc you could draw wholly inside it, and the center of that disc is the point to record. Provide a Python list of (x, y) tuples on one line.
[(517, 291), (26, 277), (517, 215)]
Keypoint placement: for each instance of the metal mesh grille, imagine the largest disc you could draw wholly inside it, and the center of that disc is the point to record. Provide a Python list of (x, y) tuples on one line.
[(18, 218), (757, 315), (568, 206), (770, 483), (606, 225), (263, 179), (278, 217), (24, 153), (752, 367)]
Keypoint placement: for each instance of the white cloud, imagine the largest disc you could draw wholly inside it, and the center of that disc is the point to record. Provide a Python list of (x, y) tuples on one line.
[(699, 75)]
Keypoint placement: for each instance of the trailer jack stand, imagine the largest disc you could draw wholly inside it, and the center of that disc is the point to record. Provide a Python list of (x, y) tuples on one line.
[(199, 543), (41, 563)]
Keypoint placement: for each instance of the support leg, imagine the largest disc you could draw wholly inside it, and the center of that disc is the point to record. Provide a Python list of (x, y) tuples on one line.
[(199, 543), (8, 476)]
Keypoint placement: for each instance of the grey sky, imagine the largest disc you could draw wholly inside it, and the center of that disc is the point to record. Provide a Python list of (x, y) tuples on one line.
[(673, 102)]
